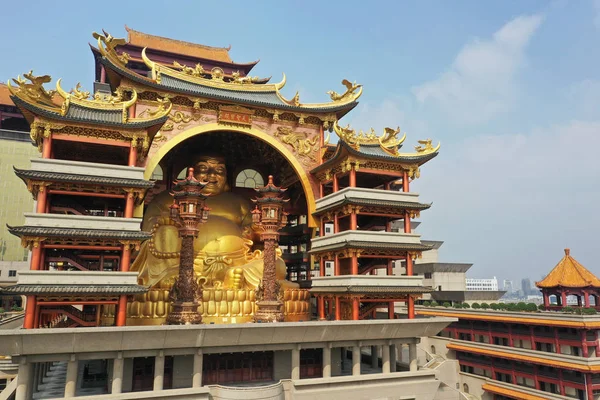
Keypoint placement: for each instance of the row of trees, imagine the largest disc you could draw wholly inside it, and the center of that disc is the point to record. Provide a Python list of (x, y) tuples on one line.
[(521, 306)]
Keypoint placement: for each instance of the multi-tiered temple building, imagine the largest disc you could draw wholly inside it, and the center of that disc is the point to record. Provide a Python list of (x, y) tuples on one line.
[(106, 246)]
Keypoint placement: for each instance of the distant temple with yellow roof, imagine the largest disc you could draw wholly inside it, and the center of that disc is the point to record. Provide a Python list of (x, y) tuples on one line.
[(570, 278)]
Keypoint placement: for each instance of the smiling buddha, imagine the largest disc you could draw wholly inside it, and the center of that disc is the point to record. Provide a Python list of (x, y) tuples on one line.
[(224, 263)]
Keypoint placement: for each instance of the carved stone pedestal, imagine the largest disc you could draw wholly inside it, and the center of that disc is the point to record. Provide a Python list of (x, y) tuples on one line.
[(268, 311), (184, 313)]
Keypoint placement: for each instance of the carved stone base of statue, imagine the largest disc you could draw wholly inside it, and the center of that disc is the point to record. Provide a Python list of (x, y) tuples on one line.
[(184, 313), (268, 311)]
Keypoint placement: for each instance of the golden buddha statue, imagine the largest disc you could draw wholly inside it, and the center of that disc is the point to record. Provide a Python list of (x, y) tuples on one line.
[(223, 256)]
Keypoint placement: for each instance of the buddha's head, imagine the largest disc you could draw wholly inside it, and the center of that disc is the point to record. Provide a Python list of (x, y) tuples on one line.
[(212, 169)]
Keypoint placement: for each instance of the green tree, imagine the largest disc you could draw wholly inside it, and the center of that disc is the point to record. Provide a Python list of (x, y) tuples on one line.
[(531, 307), (568, 309), (466, 305), (541, 307), (485, 306), (589, 311), (434, 303), (446, 304), (427, 304), (494, 306), (476, 306)]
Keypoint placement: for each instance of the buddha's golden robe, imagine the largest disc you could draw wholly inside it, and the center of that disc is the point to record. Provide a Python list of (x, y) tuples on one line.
[(223, 256)]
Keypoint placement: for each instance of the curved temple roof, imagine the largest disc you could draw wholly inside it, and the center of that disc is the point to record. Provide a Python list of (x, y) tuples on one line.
[(197, 82), (77, 105), (569, 273), (383, 148)]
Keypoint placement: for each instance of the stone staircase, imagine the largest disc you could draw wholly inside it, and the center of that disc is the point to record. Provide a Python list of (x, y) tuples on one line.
[(53, 384)]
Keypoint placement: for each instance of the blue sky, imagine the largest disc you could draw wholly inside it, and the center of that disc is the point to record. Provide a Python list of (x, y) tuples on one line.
[(510, 88)]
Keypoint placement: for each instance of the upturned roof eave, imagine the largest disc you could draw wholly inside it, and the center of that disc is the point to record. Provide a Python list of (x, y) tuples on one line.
[(339, 110), (344, 149), (36, 111), (91, 179)]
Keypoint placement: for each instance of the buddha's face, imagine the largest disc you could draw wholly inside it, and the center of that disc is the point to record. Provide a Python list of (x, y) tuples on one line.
[(214, 172)]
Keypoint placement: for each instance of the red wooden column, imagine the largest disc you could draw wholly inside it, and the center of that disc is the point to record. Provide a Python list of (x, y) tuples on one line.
[(546, 300), (352, 177), (336, 223), (121, 319), (405, 185), (132, 161), (47, 144), (30, 307), (36, 256), (129, 199), (409, 265), (407, 222), (321, 308), (338, 311), (42, 198), (353, 220), (391, 311), (355, 309), (410, 305), (322, 266), (563, 298), (354, 269), (336, 266)]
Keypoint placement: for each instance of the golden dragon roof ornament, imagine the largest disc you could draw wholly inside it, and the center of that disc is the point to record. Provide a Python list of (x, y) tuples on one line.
[(33, 91), (349, 94), (388, 141), (107, 45)]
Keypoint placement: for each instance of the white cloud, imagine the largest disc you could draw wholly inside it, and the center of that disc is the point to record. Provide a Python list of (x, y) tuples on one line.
[(481, 81), (584, 97), (500, 200)]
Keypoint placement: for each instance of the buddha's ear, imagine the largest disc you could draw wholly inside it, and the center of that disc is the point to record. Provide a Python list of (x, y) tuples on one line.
[(226, 188)]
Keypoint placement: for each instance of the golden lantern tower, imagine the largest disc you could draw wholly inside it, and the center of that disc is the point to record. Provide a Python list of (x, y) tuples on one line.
[(187, 213), (269, 217)]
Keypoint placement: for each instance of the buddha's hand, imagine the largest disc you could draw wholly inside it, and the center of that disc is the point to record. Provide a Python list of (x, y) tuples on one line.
[(234, 278)]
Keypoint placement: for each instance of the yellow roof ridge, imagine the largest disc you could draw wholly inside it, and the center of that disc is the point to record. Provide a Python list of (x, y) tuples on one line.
[(569, 273)]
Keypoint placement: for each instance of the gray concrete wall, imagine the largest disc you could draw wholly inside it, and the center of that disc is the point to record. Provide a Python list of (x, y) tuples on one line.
[(397, 386), (474, 384), (282, 365), (272, 392), (128, 375), (183, 366), (336, 361)]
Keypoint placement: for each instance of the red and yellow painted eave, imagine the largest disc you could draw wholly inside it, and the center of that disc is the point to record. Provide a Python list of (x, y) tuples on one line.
[(515, 319), (524, 358), (515, 394)]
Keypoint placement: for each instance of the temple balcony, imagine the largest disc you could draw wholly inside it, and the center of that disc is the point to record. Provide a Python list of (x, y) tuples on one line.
[(80, 222), (370, 197), (370, 286), (390, 241), (78, 283), (68, 167)]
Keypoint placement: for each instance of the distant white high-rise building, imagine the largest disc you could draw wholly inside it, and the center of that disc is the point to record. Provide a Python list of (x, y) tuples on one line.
[(508, 286), (482, 284)]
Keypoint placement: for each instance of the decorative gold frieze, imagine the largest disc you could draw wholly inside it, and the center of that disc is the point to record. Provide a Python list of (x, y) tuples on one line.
[(300, 143)]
